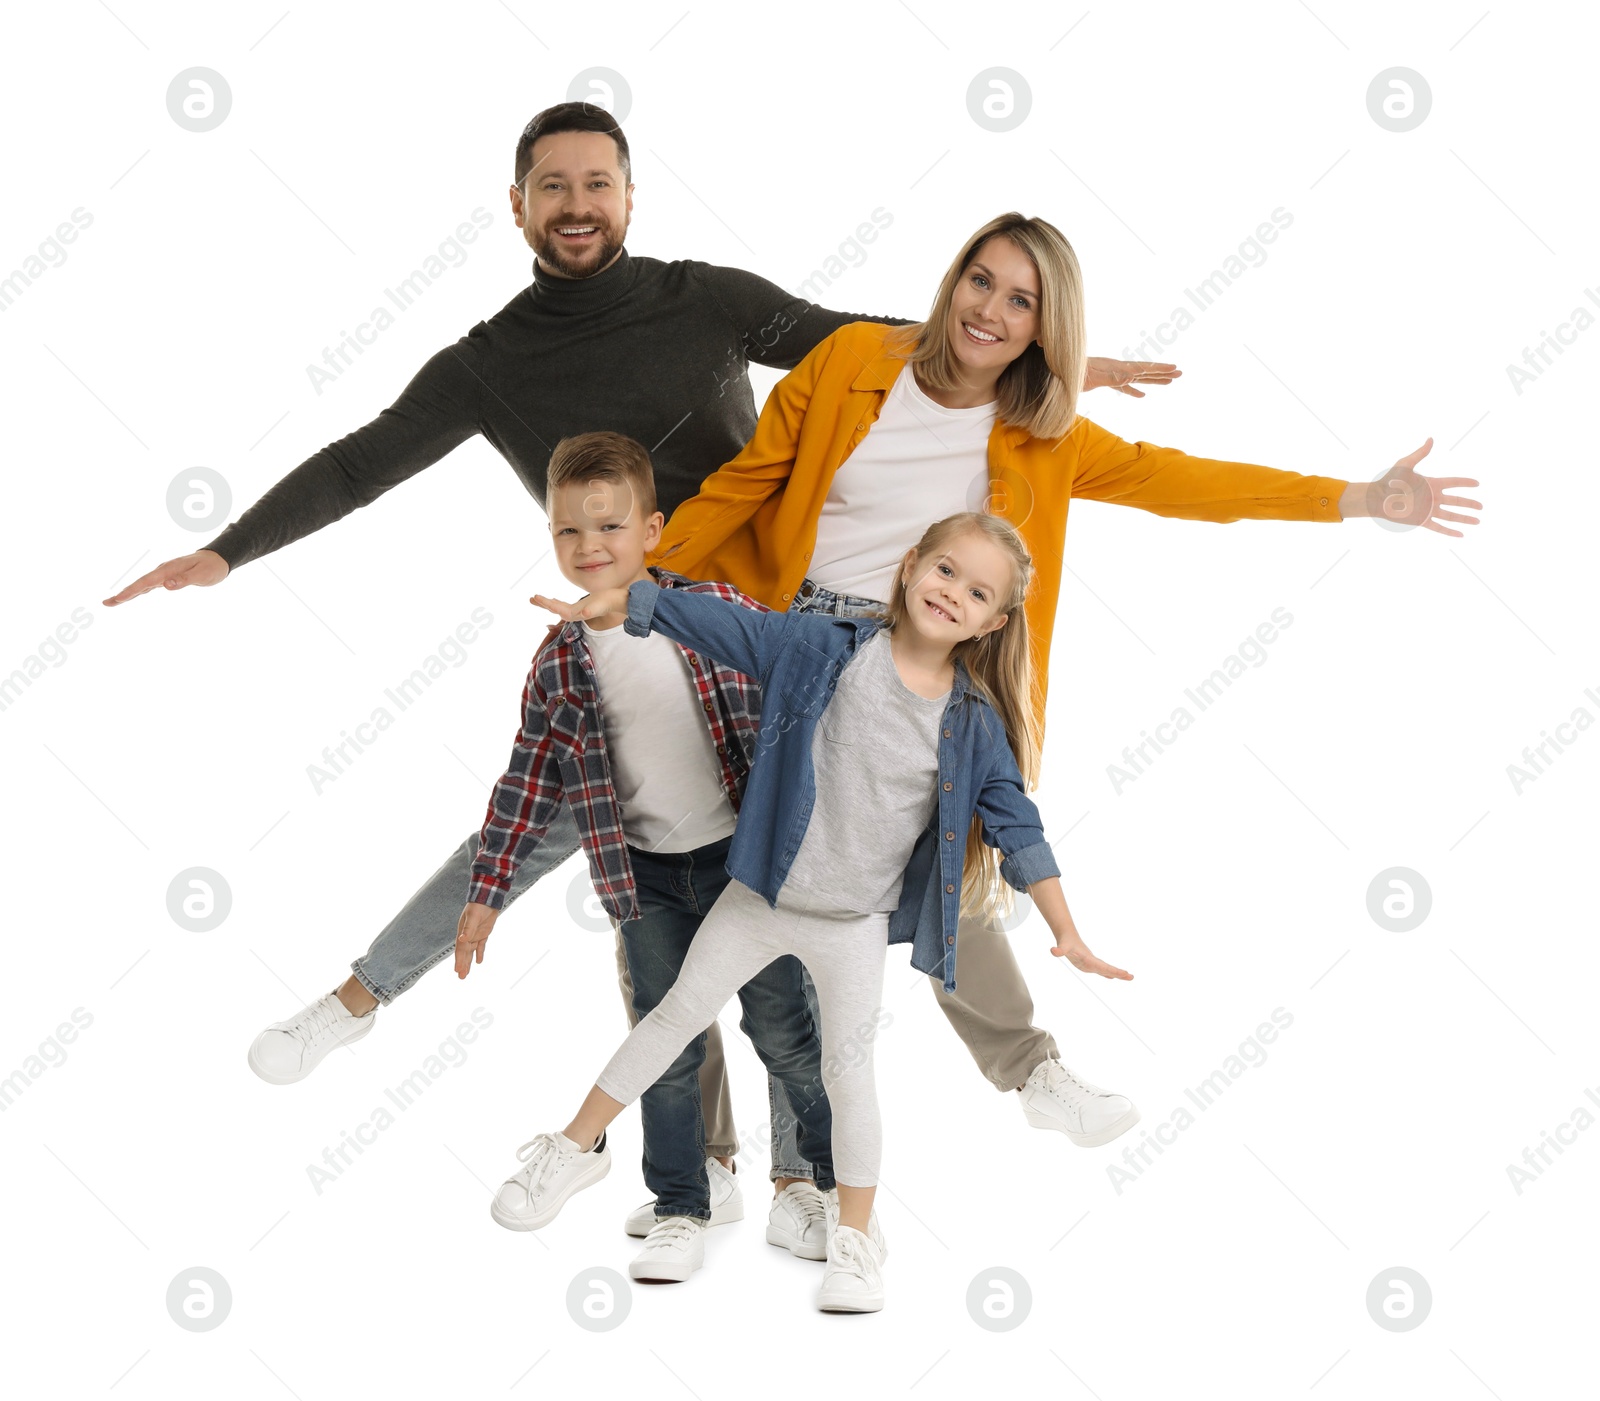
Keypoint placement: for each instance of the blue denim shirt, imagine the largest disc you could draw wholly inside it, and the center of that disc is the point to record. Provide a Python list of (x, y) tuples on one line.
[(797, 657)]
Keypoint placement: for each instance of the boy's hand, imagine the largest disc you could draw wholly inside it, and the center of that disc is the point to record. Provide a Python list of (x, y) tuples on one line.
[(472, 933), (1077, 953), (593, 605)]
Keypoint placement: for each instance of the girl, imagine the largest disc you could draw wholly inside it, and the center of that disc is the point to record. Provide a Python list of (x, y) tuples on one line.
[(891, 766)]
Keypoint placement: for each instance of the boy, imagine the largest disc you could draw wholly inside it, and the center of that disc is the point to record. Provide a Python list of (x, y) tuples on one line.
[(654, 777)]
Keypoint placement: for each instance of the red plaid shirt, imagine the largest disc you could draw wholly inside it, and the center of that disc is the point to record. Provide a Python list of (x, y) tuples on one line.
[(560, 756)]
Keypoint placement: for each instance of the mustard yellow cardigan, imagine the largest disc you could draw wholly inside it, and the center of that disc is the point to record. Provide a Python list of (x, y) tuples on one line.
[(754, 521)]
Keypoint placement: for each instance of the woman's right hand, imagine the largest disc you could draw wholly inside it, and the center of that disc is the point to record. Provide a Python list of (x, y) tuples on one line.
[(202, 567)]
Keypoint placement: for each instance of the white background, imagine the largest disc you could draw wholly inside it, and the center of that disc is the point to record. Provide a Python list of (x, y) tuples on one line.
[(1231, 877)]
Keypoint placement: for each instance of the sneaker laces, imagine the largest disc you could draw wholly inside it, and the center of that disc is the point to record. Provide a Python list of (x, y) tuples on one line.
[(1057, 1078), (671, 1230), (314, 1020), (543, 1155), (805, 1205), (848, 1255)]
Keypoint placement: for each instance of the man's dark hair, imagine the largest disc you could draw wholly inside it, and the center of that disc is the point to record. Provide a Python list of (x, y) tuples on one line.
[(571, 116)]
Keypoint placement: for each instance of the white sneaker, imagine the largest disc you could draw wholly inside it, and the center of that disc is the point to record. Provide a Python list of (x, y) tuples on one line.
[(727, 1202), (1055, 1098), (556, 1168), (852, 1280), (798, 1221), (291, 1050), (874, 1230), (674, 1249)]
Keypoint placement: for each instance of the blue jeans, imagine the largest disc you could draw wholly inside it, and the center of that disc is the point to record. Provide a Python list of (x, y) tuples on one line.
[(424, 932), (676, 891)]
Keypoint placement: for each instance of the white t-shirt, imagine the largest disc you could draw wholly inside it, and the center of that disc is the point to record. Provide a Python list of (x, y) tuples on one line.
[(919, 463), (664, 766)]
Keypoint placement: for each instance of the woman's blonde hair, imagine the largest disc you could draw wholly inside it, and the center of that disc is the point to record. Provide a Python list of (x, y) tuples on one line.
[(1038, 390), (1000, 667)]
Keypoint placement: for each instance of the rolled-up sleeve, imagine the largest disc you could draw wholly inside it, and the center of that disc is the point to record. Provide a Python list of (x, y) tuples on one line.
[(1011, 822)]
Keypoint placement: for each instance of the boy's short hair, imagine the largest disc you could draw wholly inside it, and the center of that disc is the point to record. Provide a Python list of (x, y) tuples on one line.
[(603, 457)]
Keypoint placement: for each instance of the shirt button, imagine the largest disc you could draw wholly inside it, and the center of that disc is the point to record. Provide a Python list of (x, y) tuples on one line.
[(947, 734), (949, 836), (691, 658), (949, 890), (708, 705), (949, 938), (947, 787), (720, 749), (1324, 501), (787, 597)]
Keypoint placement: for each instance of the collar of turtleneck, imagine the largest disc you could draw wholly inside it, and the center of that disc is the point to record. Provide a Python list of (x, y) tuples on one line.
[(577, 296)]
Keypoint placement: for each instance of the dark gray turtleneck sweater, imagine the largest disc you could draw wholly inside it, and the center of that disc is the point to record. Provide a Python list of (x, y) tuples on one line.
[(656, 350)]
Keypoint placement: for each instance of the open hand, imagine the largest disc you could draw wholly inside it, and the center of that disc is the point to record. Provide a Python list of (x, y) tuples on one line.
[(1122, 375), (472, 933), (592, 605), (1076, 952), (1405, 497), (202, 567)]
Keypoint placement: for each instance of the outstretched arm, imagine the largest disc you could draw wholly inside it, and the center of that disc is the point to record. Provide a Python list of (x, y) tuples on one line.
[(436, 412), (1168, 482), (525, 801), (1011, 824), (742, 638)]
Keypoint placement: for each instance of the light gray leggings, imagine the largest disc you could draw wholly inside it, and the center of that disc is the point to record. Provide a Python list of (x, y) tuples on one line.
[(844, 953)]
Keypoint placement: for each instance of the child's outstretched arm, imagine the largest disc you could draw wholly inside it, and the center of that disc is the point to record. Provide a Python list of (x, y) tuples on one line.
[(525, 801), (744, 639), (1051, 901), (1012, 825)]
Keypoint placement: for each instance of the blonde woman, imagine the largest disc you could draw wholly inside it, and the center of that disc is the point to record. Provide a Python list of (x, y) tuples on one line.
[(881, 429)]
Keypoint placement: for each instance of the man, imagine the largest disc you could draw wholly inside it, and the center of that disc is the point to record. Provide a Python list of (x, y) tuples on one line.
[(599, 340)]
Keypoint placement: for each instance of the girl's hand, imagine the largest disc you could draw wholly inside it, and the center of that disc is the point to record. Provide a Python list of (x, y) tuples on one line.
[(472, 933), (1122, 375), (1405, 497), (593, 605), (1072, 948)]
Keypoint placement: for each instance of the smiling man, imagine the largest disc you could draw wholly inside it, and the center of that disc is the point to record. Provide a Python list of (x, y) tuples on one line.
[(600, 340)]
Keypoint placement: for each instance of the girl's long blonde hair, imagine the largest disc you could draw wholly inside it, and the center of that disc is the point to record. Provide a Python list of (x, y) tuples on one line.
[(1038, 390), (1000, 666)]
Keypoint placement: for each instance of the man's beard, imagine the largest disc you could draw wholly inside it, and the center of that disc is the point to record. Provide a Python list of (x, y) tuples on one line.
[(552, 251)]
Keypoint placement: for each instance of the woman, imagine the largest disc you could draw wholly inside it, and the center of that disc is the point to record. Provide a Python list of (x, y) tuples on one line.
[(881, 429)]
